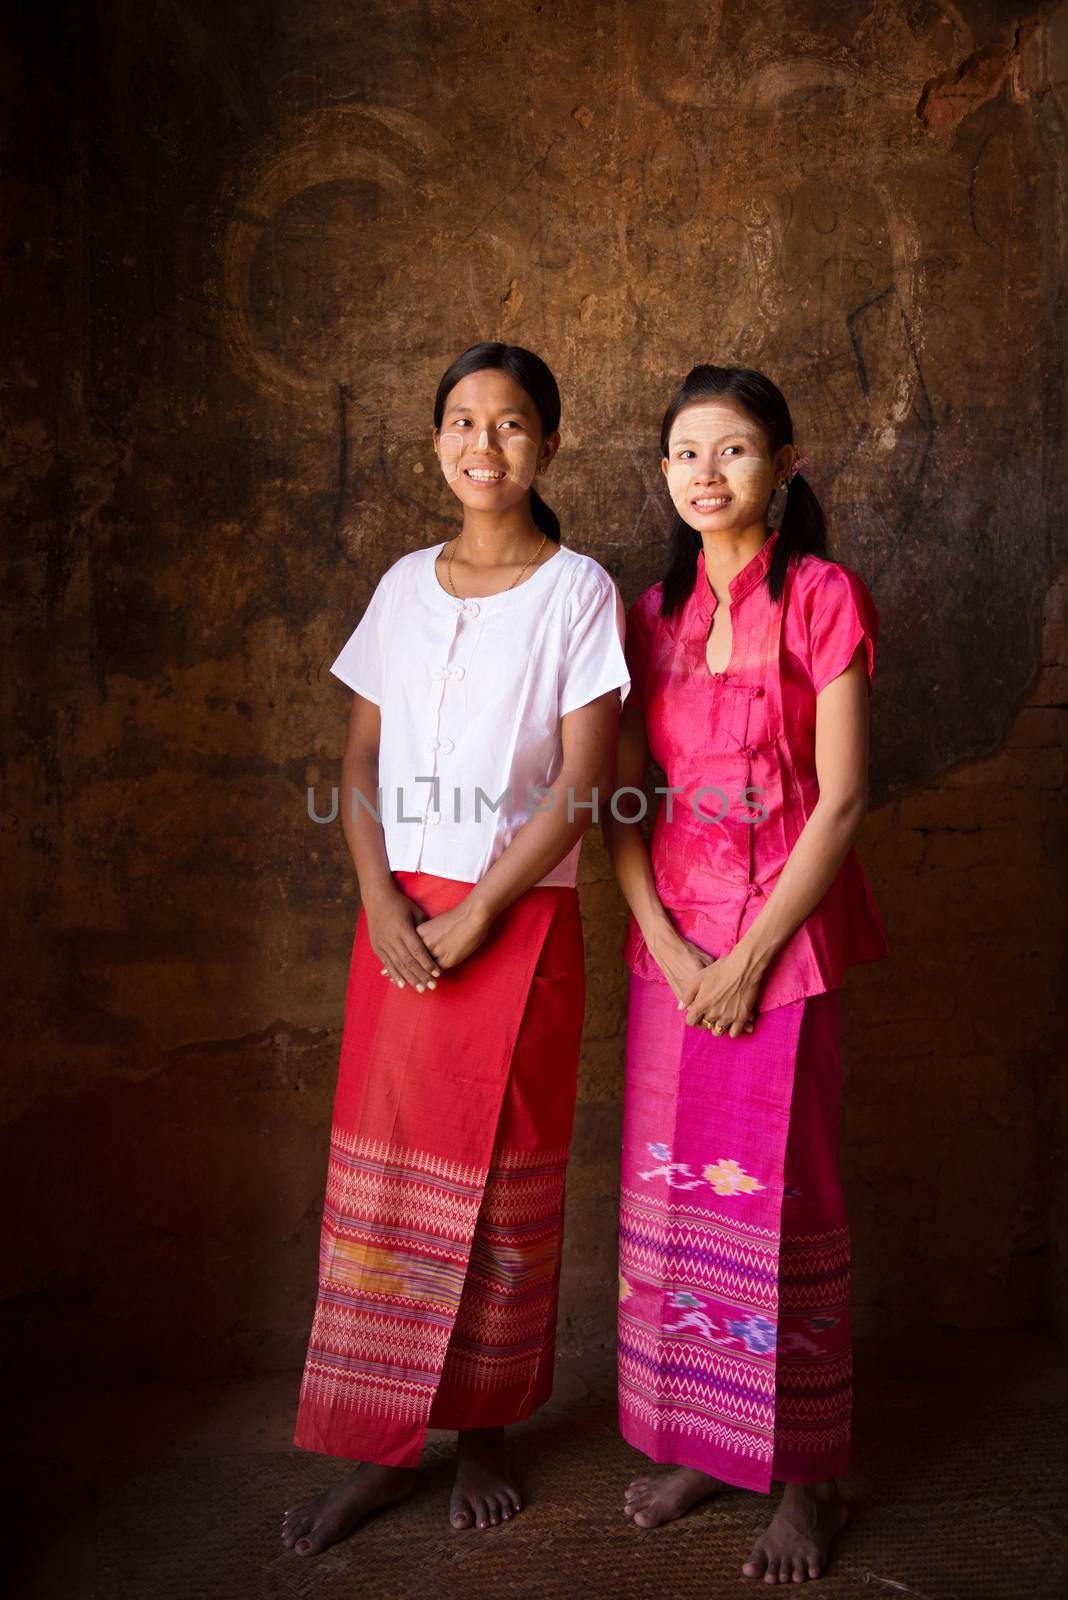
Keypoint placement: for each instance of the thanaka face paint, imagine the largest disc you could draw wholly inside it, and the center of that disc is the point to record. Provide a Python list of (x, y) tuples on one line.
[(719, 473), (450, 449), (521, 458), (519, 451)]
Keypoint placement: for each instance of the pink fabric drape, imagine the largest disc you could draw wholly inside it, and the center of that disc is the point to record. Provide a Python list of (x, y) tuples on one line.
[(734, 1350)]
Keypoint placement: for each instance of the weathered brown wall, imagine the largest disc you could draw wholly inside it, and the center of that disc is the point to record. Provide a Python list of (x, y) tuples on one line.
[(240, 246)]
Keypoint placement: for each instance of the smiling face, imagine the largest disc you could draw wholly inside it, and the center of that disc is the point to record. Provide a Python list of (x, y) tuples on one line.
[(490, 442), (719, 468)]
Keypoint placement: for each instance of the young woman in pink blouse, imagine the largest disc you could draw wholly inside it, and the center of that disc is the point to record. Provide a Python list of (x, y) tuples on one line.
[(751, 665)]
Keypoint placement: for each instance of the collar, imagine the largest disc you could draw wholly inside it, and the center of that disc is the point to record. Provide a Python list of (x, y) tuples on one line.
[(751, 574)]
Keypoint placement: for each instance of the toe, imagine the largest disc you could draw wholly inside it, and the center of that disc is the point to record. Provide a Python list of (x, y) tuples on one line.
[(479, 1508), (460, 1514), (308, 1546), (757, 1564)]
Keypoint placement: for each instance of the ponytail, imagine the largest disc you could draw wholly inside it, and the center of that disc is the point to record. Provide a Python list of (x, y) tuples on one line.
[(680, 569), (545, 519), (802, 531)]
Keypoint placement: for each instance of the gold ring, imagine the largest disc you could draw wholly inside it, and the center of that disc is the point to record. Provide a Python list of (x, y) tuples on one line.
[(718, 1029)]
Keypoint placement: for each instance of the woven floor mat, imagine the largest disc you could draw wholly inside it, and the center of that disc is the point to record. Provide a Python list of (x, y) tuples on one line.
[(944, 1509)]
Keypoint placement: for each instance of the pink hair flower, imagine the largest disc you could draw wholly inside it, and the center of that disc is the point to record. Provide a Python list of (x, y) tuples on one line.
[(801, 463)]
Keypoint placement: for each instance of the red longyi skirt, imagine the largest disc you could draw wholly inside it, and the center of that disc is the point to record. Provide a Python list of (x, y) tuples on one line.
[(443, 1219)]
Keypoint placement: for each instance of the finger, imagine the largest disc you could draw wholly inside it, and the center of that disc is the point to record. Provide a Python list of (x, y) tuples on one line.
[(688, 995), (393, 972), (402, 963), (409, 954), (414, 973), (388, 969), (421, 922), (420, 957)]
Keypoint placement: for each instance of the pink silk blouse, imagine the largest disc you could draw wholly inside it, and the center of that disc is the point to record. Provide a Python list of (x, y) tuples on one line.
[(742, 742)]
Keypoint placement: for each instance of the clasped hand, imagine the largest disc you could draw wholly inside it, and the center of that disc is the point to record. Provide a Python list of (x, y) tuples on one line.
[(416, 949), (725, 993), (713, 991)]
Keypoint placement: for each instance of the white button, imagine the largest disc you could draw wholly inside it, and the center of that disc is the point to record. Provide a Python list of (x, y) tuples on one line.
[(433, 816), (439, 673), (445, 745), (470, 608), (457, 672)]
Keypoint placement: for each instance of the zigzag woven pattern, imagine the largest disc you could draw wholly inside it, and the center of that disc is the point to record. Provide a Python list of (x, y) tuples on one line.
[(639, 1200), (387, 1156), (815, 1273), (507, 1314), (728, 1335), (432, 1271), (662, 1248), (661, 1416)]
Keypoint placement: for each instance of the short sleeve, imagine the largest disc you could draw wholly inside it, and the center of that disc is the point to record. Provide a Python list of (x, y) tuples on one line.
[(843, 615), (594, 661), (362, 658)]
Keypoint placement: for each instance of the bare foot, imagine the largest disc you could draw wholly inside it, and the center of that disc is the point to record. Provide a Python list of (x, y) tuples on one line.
[(651, 1501), (485, 1492), (797, 1541), (313, 1525)]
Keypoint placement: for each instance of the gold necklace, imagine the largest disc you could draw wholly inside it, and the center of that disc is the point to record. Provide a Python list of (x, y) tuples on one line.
[(448, 565)]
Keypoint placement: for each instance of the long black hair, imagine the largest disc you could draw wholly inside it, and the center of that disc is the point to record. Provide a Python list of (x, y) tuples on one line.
[(531, 373), (804, 526)]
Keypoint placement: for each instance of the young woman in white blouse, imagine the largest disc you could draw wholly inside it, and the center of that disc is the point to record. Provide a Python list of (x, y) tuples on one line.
[(488, 674)]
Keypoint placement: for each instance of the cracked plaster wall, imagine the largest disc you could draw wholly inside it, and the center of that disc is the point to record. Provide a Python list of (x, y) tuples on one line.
[(239, 248)]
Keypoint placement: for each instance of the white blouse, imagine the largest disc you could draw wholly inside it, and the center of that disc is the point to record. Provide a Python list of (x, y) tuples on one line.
[(471, 694)]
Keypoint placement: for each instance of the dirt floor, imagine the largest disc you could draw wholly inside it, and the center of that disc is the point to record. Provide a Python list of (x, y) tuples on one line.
[(959, 1492)]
